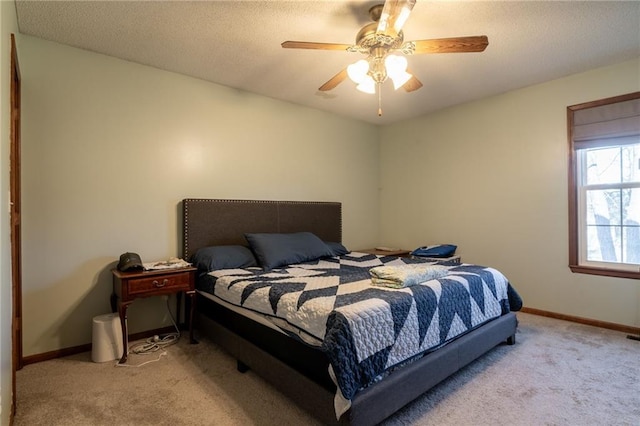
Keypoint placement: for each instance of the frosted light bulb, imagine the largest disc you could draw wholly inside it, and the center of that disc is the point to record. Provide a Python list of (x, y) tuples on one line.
[(358, 71)]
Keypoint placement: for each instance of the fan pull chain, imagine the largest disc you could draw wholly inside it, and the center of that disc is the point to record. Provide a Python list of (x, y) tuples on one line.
[(379, 100)]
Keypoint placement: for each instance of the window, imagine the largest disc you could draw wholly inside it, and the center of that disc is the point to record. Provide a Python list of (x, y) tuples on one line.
[(604, 187)]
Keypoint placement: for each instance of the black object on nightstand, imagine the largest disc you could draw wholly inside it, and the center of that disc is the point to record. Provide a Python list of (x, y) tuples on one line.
[(128, 286)]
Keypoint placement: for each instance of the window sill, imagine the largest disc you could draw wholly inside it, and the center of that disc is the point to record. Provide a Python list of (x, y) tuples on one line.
[(605, 272)]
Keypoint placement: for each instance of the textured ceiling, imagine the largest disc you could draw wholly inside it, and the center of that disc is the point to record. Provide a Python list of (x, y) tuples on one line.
[(237, 44)]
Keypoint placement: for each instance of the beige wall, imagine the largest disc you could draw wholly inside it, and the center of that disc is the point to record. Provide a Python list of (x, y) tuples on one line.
[(111, 147), (491, 177), (8, 25)]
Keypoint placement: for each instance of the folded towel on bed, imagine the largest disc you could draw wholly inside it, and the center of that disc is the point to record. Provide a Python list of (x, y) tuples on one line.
[(406, 275)]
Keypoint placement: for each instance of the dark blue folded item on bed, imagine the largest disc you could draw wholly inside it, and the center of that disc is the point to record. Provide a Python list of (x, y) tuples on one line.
[(440, 250)]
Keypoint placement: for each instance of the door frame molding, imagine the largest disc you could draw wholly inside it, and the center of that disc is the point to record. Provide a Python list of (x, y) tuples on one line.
[(16, 223)]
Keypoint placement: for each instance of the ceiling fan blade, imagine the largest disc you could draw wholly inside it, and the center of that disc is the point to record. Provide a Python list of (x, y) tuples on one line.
[(312, 45), (451, 45), (412, 84), (334, 81), (394, 15)]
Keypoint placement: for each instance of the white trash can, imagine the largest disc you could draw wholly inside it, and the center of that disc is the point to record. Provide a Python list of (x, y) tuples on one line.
[(106, 338)]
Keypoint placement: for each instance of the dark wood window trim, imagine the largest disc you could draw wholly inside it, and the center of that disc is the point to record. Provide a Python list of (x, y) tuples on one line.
[(573, 196)]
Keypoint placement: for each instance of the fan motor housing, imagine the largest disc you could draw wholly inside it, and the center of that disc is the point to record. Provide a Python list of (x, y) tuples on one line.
[(367, 38)]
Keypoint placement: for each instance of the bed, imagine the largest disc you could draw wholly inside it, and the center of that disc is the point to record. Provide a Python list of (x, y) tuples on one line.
[(288, 357)]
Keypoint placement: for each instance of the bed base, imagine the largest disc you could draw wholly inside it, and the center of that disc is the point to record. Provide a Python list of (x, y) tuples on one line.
[(303, 391), (380, 400)]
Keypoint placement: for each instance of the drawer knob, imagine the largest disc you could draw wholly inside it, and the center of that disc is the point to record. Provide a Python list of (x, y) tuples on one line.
[(160, 284)]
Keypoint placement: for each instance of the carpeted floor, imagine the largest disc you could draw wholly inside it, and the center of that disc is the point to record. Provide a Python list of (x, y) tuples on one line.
[(558, 373)]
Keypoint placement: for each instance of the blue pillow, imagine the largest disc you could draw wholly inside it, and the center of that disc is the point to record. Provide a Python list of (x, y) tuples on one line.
[(440, 250), (223, 257), (273, 250), (337, 248)]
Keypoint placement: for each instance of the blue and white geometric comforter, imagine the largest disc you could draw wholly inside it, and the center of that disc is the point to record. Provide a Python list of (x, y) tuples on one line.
[(366, 330)]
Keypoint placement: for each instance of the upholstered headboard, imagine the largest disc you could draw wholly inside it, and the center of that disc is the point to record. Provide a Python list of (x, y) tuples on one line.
[(209, 222)]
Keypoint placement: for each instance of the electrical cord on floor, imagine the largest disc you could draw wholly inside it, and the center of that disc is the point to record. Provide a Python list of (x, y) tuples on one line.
[(144, 363), (157, 342)]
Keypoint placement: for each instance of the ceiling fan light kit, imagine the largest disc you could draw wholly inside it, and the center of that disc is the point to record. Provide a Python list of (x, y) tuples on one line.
[(380, 41), (396, 67)]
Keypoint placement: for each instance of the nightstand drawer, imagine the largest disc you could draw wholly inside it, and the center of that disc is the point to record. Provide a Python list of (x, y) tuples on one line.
[(172, 282)]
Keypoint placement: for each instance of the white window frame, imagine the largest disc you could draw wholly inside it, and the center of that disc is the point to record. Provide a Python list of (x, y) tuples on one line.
[(582, 187)]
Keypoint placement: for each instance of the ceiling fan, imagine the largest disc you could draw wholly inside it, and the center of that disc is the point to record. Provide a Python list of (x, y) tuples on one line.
[(380, 41)]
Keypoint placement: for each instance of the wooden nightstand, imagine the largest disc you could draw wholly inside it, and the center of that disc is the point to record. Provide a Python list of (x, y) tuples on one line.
[(399, 252), (128, 286)]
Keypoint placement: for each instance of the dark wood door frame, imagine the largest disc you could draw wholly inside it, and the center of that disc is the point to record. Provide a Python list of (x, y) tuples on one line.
[(16, 227)]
